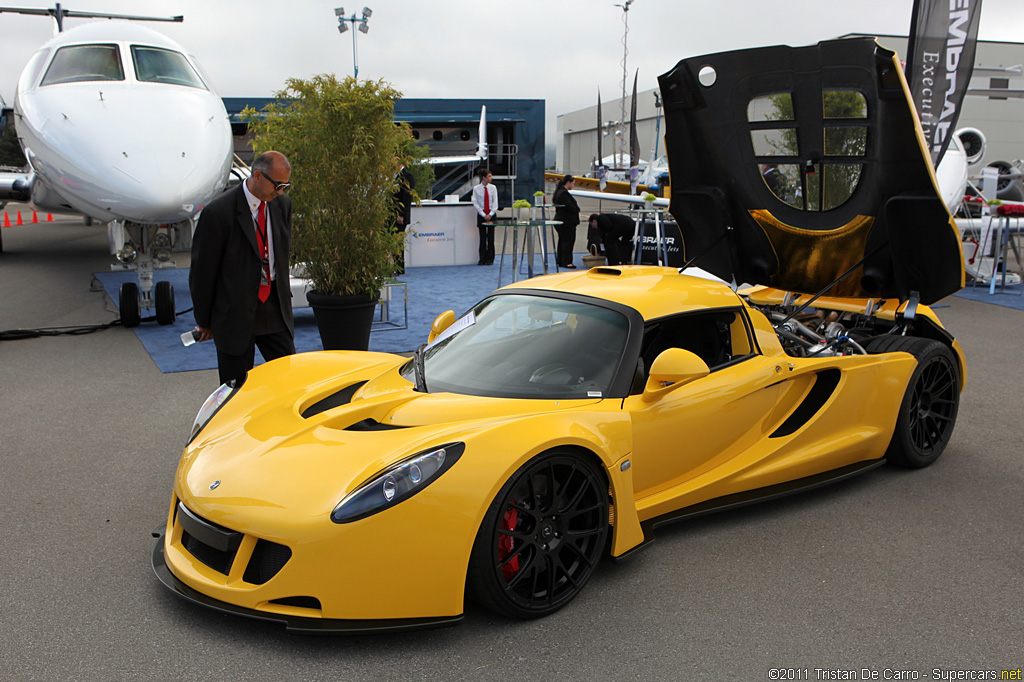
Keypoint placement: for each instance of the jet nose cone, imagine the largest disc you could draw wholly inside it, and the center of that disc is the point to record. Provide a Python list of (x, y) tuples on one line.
[(181, 165), (149, 153)]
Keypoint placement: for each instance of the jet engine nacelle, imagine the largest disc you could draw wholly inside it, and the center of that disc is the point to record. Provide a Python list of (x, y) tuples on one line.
[(973, 141), (1011, 177), (1011, 180)]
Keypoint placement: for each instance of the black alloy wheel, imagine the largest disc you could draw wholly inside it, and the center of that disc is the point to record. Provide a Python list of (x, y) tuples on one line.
[(541, 537), (929, 408)]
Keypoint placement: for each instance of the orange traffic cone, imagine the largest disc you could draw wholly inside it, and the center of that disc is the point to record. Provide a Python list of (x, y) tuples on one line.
[(18, 221), (35, 218), (7, 220), (49, 217)]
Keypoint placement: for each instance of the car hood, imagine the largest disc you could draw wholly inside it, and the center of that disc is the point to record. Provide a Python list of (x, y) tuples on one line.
[(284, 425), (792, 167)]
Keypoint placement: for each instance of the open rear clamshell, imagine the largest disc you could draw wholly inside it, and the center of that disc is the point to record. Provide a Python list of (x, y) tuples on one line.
[(813, 156)]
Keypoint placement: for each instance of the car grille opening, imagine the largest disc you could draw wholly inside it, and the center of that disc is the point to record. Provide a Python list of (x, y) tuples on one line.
[(301, 602), (268, 558), (216, 546), (216, 559)]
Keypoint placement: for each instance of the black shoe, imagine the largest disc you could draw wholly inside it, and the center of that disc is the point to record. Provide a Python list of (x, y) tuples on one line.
[(570, 266)]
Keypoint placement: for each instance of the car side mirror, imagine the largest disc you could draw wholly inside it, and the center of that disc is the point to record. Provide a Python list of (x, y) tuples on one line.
[(675, 367), (441, 322)]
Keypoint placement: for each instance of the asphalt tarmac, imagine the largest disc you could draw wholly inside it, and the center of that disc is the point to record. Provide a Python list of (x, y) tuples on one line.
[(896, 574)]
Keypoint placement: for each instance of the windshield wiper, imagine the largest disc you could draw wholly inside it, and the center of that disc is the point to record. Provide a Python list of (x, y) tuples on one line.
[(419, 370)]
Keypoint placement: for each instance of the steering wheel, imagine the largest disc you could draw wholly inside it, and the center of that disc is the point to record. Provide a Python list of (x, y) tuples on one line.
[(553, 373)]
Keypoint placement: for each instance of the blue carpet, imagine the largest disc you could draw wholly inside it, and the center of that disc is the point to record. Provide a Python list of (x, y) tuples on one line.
[(431, 291), (1010, 297)]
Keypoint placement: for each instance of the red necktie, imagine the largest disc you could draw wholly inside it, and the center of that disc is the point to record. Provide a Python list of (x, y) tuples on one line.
[(487, 201), (261, 240)]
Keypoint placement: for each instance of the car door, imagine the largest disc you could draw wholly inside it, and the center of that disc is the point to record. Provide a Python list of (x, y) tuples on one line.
[(707, 423)]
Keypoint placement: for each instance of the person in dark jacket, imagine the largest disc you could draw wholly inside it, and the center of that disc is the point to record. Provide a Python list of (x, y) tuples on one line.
[(615, 231), (239, 278), (567, 211), (402, 200)]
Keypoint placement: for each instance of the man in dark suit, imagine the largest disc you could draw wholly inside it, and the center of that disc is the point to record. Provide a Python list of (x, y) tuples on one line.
[(615, 231), (403, 208), (241, 293)]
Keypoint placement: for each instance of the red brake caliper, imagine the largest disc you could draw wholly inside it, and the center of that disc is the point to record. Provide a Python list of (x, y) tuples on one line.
[(506, 544)]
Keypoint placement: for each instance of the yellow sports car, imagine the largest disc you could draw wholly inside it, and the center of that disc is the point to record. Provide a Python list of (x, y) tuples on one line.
[(563, 418)]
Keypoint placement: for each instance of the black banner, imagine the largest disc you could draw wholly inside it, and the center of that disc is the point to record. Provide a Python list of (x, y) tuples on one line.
[(940, 59)]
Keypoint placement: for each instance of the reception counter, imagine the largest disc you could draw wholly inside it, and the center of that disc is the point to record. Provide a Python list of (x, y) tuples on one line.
[(442, 234)]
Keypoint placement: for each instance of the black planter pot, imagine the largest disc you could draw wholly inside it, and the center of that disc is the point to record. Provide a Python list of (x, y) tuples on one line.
[(344, 321)]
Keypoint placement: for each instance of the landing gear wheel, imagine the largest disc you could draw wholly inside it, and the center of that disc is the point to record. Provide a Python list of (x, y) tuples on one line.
[(165, 313), (541, 537), (928, 412), (128, 304)]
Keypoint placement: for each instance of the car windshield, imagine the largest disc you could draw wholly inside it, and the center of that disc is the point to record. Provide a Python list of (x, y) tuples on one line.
[(515, 346), (156, 65), (84, 63)]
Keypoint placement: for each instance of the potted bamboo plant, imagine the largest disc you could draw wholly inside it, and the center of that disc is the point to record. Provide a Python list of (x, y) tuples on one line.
[(345, 148)]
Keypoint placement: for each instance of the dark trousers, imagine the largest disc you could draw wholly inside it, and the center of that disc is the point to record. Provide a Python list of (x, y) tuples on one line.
[(270, 335), (486, 251), (566, 240)]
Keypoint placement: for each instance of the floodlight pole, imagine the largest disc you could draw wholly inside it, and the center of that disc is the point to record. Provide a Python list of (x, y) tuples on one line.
[(622, 102), (363, 27)]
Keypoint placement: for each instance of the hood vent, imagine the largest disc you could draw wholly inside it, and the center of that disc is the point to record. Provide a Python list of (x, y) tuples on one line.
[(372, 425), (342, 397)]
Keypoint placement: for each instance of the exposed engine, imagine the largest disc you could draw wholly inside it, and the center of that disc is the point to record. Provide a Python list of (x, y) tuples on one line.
[(817, 332)]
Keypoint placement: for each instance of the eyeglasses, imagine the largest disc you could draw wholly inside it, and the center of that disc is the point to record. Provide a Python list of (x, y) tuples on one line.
[(278, 186)]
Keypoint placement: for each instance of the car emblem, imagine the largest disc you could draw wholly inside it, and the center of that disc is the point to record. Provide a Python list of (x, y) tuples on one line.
[(214, 485)]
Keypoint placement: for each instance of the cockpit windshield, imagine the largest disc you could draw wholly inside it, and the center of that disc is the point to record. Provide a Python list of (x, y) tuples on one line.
[(157, 65), (516, 346), (76, 63)]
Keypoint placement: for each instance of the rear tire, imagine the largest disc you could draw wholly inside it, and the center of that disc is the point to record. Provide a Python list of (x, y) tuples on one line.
[(929, 408), (541, 537)]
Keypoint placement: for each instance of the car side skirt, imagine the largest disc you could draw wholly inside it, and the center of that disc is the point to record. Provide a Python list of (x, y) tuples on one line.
[(296, 625), (742, 499)]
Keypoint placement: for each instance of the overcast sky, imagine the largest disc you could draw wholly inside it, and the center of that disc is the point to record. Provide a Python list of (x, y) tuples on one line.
[(561, 51)]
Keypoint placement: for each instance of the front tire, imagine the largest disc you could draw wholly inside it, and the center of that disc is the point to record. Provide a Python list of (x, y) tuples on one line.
[(929, 408), (128, 304), (541, 537), (165, 312)]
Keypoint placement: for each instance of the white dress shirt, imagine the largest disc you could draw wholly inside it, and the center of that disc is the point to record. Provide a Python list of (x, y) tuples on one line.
[(254, 208), (478, 199)]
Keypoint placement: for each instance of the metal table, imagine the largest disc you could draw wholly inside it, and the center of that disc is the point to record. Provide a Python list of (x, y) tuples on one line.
[(530, 230)]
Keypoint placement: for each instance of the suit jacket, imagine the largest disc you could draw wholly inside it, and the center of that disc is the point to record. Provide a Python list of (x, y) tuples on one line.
[(403, 197), (225, 274), (567, 210)]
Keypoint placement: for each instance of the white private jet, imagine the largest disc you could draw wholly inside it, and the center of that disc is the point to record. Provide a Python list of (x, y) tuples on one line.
[(120, 124)]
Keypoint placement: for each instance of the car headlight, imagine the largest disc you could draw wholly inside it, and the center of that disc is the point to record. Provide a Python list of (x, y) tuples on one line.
[(212, 404), (398, 483)]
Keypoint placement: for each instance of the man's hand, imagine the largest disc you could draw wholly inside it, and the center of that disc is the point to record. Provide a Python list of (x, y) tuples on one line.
[(205, 334)]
